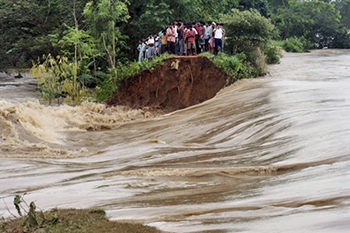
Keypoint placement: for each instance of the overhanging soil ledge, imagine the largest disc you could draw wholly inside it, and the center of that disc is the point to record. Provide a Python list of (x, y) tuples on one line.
[(178, 83)]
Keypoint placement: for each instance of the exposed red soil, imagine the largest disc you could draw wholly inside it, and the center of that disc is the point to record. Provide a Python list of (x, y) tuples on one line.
[(165, 88)]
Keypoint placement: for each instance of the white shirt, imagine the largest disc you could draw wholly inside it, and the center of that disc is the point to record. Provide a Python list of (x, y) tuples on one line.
[(176, 35), (218, 33), (206, 32), (151, 40)]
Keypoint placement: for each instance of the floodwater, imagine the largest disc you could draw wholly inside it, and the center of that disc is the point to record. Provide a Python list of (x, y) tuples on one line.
[(265, 155)]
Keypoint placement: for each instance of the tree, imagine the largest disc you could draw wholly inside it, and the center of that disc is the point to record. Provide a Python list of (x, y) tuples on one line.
[(103, 18), (317, 21), (156, 15), (260, 5), (247, 30), (26, 25), (248, 34), (343, 6)]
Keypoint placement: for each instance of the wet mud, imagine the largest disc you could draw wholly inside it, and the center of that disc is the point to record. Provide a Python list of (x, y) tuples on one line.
[(178, 83)]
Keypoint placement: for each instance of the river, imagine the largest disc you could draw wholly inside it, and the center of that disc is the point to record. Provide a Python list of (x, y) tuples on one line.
[(265, 155)]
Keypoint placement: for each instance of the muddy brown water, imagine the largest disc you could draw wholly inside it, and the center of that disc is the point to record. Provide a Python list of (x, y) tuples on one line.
[(265, 155)]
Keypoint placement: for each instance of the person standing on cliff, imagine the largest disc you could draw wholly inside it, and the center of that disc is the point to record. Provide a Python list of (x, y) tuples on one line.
[(206, 36), (151, 49), (201, 41), (196, 27), (211, 38), (164, 40), (142, 54), (223, 36), (171, 38), (176, 37), (191, 44), (185, 39), (218, 34), (139, 50), (180, 35)]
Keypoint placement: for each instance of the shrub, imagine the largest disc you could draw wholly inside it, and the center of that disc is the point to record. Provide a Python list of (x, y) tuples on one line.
[(105, 88), (248, 36), (247, 30), (273, 54), (57, 78), (296, 45), (237, 67), (130, 69)]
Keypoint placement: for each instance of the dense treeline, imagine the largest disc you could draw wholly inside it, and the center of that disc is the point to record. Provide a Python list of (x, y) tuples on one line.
[(96, 39), (30, 28)]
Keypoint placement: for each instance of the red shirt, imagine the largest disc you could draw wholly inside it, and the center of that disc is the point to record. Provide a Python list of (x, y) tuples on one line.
[(197, 29), (191, 35)]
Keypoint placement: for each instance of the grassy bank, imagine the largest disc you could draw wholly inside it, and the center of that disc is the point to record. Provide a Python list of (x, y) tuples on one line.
[(74, 221)]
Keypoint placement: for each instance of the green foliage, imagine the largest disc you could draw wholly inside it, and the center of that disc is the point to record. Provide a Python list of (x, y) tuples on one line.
[(231, 64), (154, 17), (317, 21), (343, 6), (75, 44), (25, 26), (237, 67), (129, 69), (272, 53), (247, 30), (33, 220), (95, 37), (248, 35), (105, 88), (74, 221), (31, 28), (103, 18), (260, 5), (296, 45), (151, 15), (57, 77), (17, 201)]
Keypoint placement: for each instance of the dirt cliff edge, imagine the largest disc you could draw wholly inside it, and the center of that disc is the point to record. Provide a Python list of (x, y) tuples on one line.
[(178, 83)]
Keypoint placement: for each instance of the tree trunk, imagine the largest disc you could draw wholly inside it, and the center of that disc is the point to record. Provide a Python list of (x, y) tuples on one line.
[(75, 70)]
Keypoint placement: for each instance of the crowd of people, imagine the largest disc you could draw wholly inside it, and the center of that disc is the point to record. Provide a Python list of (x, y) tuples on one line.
[(183, 39)]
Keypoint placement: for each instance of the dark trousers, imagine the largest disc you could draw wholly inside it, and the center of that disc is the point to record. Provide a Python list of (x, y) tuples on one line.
[(218, 43), (177, 46), (206, 45), (163, 48), (171, 47), (198, 48)]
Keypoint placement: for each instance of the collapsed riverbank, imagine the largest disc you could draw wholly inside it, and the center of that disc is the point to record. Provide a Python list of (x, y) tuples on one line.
[(178, 83)]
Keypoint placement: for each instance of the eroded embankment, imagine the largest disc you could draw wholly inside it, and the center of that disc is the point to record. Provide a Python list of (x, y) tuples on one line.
[(178, 83)]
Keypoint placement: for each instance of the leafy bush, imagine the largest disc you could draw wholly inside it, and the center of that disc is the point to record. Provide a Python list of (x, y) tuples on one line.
[(237, 67), (296, 45), (273, 54), (248, 36), (246, 31), (130, 69), (318, 21), (57, 78), (105, 88)]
